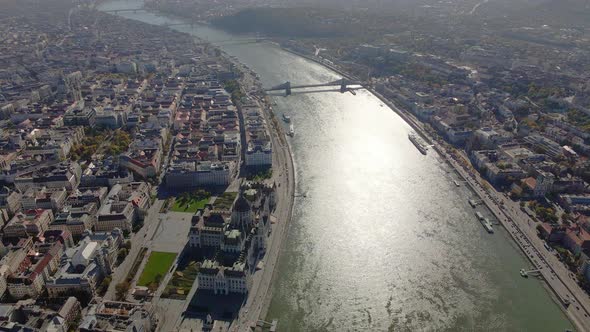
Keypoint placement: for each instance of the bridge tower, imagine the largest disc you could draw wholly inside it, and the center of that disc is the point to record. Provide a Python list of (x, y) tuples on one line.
[(343, 88), (288, 89)]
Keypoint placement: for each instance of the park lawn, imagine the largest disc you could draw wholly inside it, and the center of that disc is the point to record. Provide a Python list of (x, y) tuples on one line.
[(225, 201), (191, 206), (158, 264), (182, 281)]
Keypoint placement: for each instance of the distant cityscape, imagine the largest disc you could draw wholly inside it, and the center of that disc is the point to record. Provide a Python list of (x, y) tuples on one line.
[(140, 166), (108, 129)]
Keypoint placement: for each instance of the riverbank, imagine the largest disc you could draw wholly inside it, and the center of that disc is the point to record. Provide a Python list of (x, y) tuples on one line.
[(560, 293), (260, 294), (559, 289), (284, 226)]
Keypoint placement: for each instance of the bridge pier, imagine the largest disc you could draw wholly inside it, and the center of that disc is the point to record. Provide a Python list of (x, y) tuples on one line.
[(343, 87), (287, 89)]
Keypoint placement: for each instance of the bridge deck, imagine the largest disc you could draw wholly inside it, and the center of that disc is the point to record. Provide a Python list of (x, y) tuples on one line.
[(124, 10), (336, 83)]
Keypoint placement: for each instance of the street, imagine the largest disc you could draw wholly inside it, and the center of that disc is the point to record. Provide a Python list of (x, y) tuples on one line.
[(260, 293)]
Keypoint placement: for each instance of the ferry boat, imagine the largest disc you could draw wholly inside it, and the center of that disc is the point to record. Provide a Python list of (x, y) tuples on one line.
[(419, 143), (286, 118), (291, 130)]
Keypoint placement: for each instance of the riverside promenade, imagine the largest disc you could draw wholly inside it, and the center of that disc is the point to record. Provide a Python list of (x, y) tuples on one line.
[(523, 232)]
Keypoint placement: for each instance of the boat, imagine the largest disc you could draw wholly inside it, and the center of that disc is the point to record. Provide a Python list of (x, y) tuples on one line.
[(479, 216), (472, 203), (286, 118), (523, 273), (487, 225), (457, 183), (291, 130), (418, 142)]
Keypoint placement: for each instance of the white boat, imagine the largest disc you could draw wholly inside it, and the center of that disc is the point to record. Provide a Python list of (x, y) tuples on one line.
[(291, 130), (487, 225), (523, 273), (286, 118), (418, 143)]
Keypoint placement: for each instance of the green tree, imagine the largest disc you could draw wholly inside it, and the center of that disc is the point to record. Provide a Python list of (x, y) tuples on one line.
[(121, 290), (122, 254), (104, 285)]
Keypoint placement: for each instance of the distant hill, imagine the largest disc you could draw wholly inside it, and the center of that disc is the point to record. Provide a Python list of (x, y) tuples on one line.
[(285, 22), (564, 12), (567, 13), (10, 8)]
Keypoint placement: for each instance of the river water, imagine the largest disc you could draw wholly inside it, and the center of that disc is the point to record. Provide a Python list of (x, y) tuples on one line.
[(383, 240)]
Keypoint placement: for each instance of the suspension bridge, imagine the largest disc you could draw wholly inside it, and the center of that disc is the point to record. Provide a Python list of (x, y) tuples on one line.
[(288, 87), (125, 10)]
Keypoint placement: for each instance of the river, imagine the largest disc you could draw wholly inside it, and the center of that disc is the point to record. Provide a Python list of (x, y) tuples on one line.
[(383, 240)]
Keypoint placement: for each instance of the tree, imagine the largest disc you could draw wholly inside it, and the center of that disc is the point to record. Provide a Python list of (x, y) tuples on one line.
[(153, 287), (122, 254), (121, 290), (104, 285)]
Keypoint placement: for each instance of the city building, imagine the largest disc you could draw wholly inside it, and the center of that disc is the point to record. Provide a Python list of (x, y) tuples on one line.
[(119, 317), (63, 175), (44, 198), (84, 266), (193, 174), (28, 223), (125, 204), (223, 280)]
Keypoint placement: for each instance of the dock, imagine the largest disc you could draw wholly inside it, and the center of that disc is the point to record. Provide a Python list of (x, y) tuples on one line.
[(272, 326), (525, 274)]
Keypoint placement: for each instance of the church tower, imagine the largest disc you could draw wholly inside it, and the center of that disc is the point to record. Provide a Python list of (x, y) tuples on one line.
[(241, 216)]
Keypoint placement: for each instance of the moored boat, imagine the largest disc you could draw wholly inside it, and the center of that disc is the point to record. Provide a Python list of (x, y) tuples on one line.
[(487, 225), (418, 143)]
